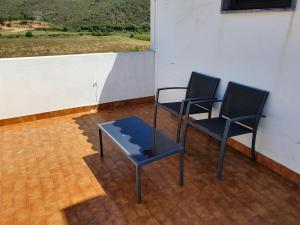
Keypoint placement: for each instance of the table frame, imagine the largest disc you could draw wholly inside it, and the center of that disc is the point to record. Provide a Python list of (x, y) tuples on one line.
[(139, 167)]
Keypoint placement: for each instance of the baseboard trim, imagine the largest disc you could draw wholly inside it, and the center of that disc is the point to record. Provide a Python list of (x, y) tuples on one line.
[(63, 112), (266, 161)]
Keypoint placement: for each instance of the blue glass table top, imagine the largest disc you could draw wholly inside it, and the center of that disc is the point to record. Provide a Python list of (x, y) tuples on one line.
[(139, 141)]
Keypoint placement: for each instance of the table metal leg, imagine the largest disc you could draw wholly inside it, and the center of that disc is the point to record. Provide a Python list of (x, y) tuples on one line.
[(181, 168), (101, 143), (138, 184)]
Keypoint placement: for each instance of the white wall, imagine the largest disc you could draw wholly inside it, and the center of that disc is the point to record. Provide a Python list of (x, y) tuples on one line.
[(43, 84), (260, 49)]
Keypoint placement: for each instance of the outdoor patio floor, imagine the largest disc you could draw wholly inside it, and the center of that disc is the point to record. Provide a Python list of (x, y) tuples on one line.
[(51, 173)]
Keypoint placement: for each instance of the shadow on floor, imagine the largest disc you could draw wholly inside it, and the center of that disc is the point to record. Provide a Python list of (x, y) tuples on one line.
[(248, 194), (118, 206), (88, 123), (90, 212), (115, 175)]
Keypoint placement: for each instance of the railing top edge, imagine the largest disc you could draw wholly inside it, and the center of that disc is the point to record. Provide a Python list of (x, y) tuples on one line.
[(73, 55)]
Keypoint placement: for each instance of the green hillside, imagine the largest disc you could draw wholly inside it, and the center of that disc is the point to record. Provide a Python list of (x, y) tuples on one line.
[(81, 14)]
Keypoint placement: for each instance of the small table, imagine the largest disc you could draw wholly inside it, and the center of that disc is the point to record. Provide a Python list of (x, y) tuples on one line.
[(142, 144)]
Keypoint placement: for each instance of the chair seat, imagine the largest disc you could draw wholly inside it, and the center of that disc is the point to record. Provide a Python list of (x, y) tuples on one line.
[(175, 107), (216, 127)]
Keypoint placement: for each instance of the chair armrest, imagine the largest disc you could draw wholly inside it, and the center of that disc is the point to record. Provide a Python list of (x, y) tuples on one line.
[(191, 100), (167, 88), (237, 119), (196, 99), (243, 118), (205, 100)]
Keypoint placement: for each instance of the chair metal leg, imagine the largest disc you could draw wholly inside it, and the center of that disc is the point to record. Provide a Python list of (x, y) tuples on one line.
[(184, 135), (178, 129), (221, 158), (179, 122), (222, 149), (253, 152), (101, 143), (155, 115), (138, 184), (181, 168)]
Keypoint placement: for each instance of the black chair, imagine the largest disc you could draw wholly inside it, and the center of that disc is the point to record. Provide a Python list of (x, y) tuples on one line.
[(199, 87), (240, 113)]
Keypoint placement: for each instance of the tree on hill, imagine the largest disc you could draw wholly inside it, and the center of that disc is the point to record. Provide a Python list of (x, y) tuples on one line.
[(2, 20)]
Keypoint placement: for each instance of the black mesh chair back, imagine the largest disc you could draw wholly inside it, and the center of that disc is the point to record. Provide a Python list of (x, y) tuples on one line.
[(202, 86), (241, 100)]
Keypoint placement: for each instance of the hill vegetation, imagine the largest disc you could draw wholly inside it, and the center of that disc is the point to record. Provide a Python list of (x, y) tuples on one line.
[(70, 44), (60, 27), (81, 15)]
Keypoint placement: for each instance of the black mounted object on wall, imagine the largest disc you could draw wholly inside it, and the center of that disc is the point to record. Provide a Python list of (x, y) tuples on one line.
[(257, 5)]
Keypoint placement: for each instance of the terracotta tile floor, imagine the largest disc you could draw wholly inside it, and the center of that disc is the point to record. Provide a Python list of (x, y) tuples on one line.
[(51, 173)]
